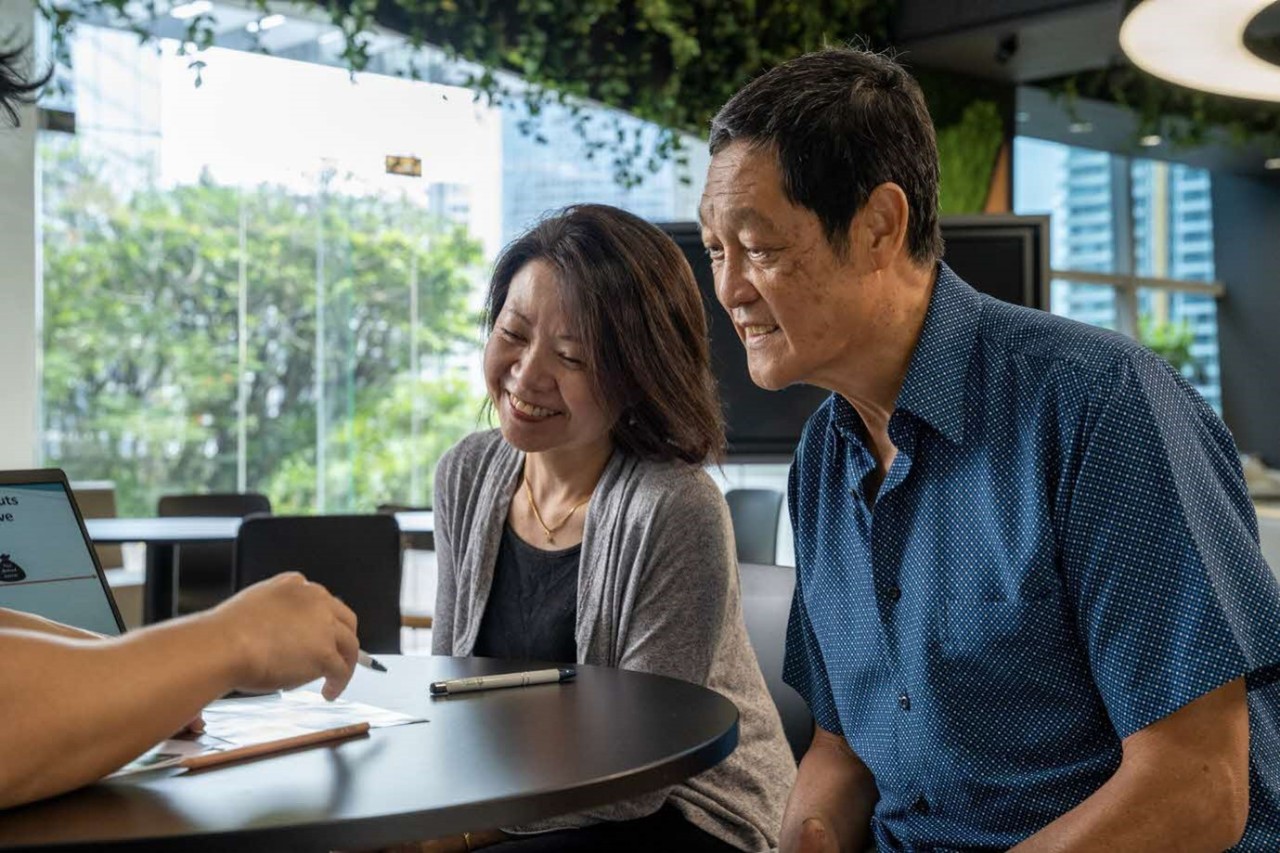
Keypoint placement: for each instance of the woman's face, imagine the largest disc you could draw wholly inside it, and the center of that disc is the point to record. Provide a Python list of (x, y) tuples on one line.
[(538, 374)]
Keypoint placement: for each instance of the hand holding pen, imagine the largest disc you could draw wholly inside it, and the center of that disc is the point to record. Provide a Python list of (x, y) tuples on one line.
[(282, 632)]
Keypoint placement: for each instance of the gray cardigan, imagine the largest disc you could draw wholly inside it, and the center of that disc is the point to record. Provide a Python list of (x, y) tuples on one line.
[(657, 592)]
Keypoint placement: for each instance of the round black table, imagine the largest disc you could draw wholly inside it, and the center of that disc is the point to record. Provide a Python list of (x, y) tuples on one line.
[(487, 759), (164, 538)]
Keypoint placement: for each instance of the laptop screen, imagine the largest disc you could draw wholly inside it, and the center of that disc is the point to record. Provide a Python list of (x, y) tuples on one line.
[(46, 565)]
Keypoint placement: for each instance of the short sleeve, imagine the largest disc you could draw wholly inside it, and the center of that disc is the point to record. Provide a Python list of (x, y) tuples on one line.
[(1159, 548), (802, 666)]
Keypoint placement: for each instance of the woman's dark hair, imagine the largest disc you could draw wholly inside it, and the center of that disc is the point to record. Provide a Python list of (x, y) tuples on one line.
[(841, 122), (14, 87), (636, 308)]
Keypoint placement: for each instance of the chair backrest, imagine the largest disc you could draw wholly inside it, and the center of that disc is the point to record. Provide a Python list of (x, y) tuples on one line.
[(1269, 537), (97, 499), (221, 505), (356, 557), (410, 541), (766, 605), (755, 523), (204, 570), (392, 509)]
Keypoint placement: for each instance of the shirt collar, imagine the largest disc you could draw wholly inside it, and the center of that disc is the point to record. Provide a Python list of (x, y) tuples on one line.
[(934, 387)]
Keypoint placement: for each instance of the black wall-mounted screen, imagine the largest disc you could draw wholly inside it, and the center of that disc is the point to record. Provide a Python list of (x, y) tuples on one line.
[(1003, 255)]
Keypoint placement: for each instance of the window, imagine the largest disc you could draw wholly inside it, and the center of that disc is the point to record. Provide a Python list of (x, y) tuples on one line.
[(238, 296), (1131, 249)]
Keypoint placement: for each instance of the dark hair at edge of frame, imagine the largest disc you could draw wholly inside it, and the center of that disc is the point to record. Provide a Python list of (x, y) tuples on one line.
[(637, 310), (842, 121), (15, 89)]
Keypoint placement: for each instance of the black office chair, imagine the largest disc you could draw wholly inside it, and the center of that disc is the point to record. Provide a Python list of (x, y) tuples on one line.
[(416, 541), (356, 557), (755, 523), (414, 611), (97, 499), (766, 604), (204, 570)]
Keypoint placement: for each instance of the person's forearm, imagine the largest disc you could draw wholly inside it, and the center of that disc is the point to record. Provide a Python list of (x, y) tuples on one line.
[(1157, 808), (1183, 784), (1119, 817), (16, 620), (833, 785), (75, 710), (1141, 813)]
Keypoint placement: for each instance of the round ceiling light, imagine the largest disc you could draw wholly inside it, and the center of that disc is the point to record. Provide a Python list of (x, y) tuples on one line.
[(1200, 44)]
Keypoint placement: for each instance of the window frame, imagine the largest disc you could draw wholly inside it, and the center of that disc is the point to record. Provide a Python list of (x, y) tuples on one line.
[(1126, 282)]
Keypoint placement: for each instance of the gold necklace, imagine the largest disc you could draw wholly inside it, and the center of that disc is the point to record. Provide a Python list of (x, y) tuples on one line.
[(550, 531)]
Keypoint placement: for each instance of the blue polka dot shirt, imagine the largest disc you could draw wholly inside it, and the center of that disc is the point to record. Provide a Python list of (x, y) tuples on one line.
[(1062, 553)]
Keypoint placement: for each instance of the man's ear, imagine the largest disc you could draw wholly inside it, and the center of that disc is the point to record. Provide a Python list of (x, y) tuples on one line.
[(885, 218)]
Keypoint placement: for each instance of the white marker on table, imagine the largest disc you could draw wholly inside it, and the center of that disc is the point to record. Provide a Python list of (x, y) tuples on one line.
[(508, 679)]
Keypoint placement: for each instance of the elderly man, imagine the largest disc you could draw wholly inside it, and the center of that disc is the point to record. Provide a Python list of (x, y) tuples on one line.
[(1030, 606)]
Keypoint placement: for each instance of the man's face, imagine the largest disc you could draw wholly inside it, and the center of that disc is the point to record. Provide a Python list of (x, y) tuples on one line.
[(798, 306)]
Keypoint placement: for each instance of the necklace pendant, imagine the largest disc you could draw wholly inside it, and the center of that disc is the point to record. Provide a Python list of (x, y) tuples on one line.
[(550, 539)]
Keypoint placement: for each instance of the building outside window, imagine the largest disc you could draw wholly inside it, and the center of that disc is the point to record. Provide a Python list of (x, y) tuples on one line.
[(1131, 249)]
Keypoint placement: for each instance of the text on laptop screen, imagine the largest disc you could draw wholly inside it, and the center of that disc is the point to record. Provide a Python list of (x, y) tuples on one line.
[(45, 564)]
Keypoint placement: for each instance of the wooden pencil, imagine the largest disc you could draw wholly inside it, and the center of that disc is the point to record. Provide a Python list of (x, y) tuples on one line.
[(213, 759)]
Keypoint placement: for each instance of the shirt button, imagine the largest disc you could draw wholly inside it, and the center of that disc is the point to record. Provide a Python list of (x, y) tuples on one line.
[(921, 805), (904, 702), (893, 593)]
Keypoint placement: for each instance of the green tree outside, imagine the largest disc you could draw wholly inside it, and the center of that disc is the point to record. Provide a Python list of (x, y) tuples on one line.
[(141, 379), (1172, 342)]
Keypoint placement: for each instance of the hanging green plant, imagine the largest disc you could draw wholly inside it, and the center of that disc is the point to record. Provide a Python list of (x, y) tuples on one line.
[(968, 115), (670, 63), (1183, 117), (967, 152), (664, 61)]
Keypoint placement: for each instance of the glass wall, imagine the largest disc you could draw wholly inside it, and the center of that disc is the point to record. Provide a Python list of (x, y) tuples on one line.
[(1142, 231), (238, 296), (1173, 238)]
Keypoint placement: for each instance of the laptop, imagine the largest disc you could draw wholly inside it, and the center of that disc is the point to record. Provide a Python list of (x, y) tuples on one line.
[(47, 563)]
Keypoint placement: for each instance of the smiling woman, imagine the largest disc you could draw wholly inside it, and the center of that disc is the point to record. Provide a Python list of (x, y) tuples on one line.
[(598, 367), (534, 369), (611, 289)]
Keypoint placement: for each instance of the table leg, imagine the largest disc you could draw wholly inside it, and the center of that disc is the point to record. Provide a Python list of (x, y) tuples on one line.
[(160, 596)]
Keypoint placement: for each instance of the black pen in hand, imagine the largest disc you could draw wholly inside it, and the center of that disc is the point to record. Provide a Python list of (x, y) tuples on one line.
[(364, 660)]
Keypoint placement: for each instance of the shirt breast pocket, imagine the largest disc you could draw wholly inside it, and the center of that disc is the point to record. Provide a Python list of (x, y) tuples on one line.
[(1008, 642)]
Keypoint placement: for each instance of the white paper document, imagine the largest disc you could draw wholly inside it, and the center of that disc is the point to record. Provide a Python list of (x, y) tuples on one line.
[(231, 723)]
